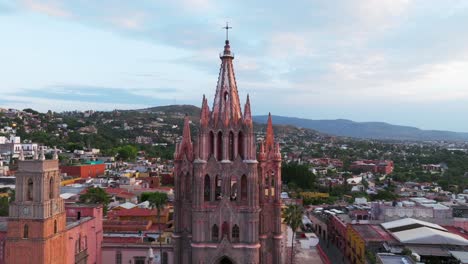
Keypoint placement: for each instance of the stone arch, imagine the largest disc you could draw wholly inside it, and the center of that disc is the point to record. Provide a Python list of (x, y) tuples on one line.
[(214, 233), (207, 188), (218, 186), (231, 145), (26, 231), (211, 145), (219, 146), (243, 185), (240, 144), (235, 234), (224, 260), (51, 188), (188, 186), (30, 190)]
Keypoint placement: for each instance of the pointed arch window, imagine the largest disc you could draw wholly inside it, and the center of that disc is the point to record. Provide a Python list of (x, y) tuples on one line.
[(30, 190), (266, 185), (235, 233), (225, 230), (118, 257), (211, 144), (219, 145), (233, 188), (55, 226), (188, 186), (240, 144), (26, 231), (218, 183), (231, 146), (272, 183), (214, 233), (244, 188), (51, 188), (207, 188)]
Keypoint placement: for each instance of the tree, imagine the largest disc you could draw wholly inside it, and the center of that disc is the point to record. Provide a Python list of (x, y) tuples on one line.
[(127, 152), (293, 218), (157, 200), (95, 195)]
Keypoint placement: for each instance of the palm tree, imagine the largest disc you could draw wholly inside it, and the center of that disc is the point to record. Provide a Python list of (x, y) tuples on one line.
[(158, 200), (293, 218)]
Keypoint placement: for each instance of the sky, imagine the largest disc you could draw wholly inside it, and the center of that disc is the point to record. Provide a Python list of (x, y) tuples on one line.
[(398, 61)]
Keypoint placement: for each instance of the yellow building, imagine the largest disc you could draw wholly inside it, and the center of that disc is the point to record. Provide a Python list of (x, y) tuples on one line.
[(364, 237)]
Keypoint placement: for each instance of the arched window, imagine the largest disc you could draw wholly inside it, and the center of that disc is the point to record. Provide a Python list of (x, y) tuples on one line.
[(30, 190), (233, 188), (231, 146), (164, 258), (235, 233), (219, 145), (218, 188), (51, 188), (266, 183), (214, 233), (207, 190), (118, 257), (188, 186), (26, 231), (272, 186), (78, 245), (55, 226), (225, 230), (211, 144), (244, 188), (240, 144)]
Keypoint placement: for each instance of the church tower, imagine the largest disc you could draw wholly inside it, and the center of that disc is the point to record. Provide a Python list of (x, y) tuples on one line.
[(36, 224), (227, 203)]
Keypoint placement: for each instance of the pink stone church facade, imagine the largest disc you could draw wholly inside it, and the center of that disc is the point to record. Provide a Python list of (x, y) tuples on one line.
[(227, 195)]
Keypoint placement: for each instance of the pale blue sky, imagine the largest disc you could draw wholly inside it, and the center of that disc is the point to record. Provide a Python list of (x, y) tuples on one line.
[(398, 61)]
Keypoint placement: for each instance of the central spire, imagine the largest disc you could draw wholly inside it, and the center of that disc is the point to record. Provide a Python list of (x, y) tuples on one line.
[(226, 103)]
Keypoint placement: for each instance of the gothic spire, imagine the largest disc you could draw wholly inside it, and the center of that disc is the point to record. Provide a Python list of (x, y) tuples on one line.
[(227, 97), (185, 146), (270, 137), (205, 112), (247, 112)]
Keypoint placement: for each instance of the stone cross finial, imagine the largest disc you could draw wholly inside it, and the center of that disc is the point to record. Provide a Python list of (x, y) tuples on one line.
[(35, 157), (42, 157), (55, 156), (21, 154)]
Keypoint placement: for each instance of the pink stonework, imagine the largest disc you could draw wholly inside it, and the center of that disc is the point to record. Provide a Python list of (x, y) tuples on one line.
[(227, 196)]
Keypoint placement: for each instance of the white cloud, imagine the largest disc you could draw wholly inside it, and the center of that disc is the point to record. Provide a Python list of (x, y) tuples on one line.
[(134, 21), (287, 44), (50, 8), (42, 104)]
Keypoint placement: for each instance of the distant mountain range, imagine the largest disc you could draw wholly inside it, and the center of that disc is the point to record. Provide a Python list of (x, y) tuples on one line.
[(341, 127), (367, 130)]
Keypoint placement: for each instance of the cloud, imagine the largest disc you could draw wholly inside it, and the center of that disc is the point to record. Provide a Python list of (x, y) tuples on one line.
[(50, 8), (134, 21)]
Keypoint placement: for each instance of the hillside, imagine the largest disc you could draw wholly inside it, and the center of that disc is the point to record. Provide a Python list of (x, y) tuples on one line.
[(369, 130)]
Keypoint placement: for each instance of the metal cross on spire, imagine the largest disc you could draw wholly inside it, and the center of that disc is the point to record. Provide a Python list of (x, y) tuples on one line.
[(227, 27)]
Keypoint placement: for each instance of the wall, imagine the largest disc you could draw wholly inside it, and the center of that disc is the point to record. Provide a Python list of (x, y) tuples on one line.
[(130, 251), (84, 171)]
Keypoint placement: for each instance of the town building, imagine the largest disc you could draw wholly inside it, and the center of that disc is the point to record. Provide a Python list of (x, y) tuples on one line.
[(40, 229), (374, 166), (227, 199), (87, 170)]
